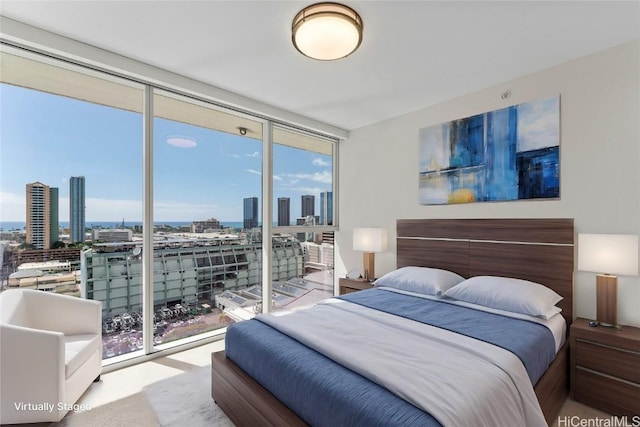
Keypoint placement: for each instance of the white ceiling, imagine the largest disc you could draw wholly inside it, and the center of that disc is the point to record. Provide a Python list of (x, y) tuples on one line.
[(414, 53)]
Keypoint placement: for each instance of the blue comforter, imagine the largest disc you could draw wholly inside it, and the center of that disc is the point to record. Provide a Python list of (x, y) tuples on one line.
[(532, 342), (320, 391), (324, 393)]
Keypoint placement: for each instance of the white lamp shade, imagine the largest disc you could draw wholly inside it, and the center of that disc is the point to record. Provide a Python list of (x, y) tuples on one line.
[(369, 239), (608, 253)]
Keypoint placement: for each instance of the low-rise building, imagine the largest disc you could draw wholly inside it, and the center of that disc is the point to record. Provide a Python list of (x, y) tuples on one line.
[(112, 235), (189, 273), (210, 224)]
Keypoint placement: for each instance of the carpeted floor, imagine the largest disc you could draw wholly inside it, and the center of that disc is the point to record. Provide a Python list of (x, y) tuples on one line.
[(182, 400), (133, 410), (186, 400)]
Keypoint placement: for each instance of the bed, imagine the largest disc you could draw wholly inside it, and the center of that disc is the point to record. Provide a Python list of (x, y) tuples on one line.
[(539, 250)]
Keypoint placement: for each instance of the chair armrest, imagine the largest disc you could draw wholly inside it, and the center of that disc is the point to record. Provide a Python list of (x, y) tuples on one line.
[(31, 365), (63, 313)]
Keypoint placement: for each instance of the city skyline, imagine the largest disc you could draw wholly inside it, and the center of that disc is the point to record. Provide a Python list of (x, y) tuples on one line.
[(49, 138), (250, 219)]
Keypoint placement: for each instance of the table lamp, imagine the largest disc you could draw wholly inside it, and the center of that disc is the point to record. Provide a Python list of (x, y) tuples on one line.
[(369, 240), (608, 255)]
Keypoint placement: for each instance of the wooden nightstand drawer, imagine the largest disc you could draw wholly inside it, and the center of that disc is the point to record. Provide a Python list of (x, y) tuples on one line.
[(605, 367), (353, 285), (613, 395), (609, 360)]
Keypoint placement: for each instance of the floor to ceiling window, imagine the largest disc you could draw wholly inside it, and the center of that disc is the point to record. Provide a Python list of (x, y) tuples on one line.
[(102, 200), (207, 240), (71, 188), (302, 180)]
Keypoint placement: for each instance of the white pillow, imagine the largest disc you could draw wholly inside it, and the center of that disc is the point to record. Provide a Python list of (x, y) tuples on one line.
[(505, 293), (423, 280), (549, 314)]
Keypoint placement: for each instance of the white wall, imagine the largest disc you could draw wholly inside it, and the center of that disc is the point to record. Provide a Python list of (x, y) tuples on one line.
[(599, 177)]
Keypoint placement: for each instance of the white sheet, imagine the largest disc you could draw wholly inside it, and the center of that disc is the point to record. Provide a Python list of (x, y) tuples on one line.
[(460, 381)]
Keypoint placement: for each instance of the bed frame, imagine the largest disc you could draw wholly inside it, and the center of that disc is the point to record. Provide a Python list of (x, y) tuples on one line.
[(540, 250)]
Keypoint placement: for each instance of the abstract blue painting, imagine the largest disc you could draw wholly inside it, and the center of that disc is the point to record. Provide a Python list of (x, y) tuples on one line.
[(506, 154)]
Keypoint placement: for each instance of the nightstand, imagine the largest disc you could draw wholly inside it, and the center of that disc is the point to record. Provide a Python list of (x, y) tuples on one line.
[(353, 285), (605, 367)]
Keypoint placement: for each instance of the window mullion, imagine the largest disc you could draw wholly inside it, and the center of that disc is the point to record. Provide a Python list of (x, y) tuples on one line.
[(147, 222), (267, 213)]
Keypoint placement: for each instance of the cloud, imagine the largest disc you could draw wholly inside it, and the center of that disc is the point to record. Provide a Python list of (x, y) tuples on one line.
[(324, 177), (309, 190), (253, 171), (317, 161), (254, 155)]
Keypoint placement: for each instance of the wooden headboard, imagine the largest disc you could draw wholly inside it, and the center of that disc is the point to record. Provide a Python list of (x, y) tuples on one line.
[(539, 250)]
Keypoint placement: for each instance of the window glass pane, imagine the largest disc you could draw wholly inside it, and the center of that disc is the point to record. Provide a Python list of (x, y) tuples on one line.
[(71, 189), (207, 186), (71, 202), (303, 196)]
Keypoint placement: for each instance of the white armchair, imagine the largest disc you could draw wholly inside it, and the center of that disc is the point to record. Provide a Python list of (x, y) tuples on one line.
[(50, 352)]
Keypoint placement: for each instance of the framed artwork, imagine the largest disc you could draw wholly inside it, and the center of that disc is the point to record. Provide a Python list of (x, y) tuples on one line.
[(506, 154)]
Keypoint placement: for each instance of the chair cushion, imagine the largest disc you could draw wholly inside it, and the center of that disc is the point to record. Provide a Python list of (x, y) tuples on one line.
[(77, 349)]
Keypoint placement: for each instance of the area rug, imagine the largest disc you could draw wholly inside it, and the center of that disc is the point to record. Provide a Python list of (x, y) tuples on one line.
[(130, 411), (185, 399)]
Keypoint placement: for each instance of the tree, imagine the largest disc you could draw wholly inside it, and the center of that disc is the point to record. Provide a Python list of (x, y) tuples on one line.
[(58, 245)]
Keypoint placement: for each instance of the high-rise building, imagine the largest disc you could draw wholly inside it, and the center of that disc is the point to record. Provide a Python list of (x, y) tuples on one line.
[(250, 212), (42, 215), (76, 209), (308, 205), (326, 208), (54, 216), (284, 211)]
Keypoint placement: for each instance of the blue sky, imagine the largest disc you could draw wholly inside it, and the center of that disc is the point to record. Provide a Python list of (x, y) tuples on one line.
[(49, 138)]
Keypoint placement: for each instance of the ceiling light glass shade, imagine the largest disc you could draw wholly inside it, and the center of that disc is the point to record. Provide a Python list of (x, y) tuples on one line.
[(326, 31)]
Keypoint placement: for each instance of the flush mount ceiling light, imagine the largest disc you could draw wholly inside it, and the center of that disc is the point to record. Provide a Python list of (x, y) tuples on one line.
[(326, 31)]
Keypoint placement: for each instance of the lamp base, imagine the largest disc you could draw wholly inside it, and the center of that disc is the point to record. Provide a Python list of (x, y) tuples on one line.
[(607, 300), (369, 266), (610, 326)]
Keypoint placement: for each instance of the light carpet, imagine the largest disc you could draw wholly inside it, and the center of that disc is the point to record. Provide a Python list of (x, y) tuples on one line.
[(185, 399), (130, 411), (181, 400)]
